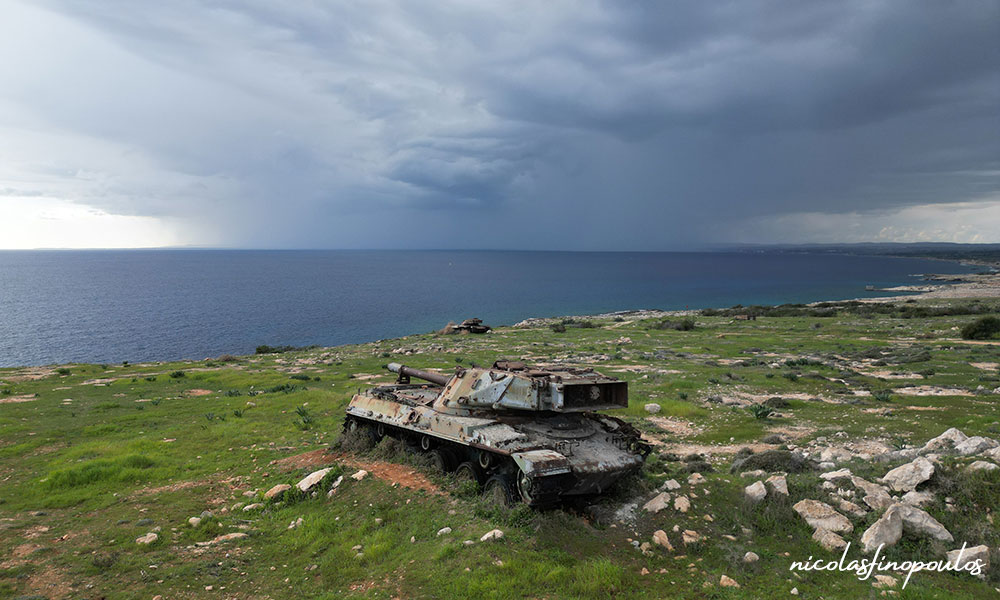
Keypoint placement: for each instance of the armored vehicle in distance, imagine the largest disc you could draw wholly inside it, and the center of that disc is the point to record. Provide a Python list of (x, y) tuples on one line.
[(523, 434)]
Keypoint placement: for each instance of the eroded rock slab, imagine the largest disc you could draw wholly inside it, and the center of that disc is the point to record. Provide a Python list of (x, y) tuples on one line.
[(821, 515)]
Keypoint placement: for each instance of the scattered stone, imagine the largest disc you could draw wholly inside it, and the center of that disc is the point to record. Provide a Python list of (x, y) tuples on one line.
[(696, 478), (884, 581), (682, 503), (223, 538), (194, 521), (295, 524), (671, 484), (658, 503), (946, 441), (494, 534), (755, 492), (918, 499), (822, 515), (251, 507), (652, 408), (794, 592), (982, 465), (206, 514), (778, 483), (143, 522), (444, 531), (149, 538), (756, 473), (309, 481), (750, 557), (918, 522), (876, 496), (725, 581), (660, 539), (829, 540), (834, 455), (835, 475), (884, 532), (644, 570), (359, 475), (378, 521), (850, 507), (690, 536), (277, 491), (975, 445), (964, 556), (906, 478)]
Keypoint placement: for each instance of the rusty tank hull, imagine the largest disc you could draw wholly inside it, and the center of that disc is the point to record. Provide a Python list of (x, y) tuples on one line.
[(523, 434)]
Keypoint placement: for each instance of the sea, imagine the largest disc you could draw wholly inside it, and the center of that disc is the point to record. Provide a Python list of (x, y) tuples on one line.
[(109, 306)]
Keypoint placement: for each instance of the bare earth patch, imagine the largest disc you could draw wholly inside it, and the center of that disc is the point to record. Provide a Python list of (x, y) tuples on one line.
[(16, 399), (387, 471), (931, 390), (887, 374), (197, 392), (986, 366), (674, 426), (50, 583), (29, 374)]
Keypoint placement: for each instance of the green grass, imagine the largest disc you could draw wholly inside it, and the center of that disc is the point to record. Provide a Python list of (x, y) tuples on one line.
[(96, 465)]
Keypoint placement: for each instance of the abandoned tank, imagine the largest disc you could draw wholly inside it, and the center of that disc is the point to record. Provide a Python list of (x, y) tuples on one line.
[(522, 434)]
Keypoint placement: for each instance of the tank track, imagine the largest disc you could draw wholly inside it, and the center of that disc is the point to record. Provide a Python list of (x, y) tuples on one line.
[(545, 492)]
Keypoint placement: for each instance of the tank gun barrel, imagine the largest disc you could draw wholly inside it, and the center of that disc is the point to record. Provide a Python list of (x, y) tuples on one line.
[(407, 372)]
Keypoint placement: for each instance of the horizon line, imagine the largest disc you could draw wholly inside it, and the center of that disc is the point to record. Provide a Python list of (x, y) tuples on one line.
[(712, 247)]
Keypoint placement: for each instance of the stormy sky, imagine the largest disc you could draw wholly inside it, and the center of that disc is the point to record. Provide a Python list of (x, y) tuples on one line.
[(535, 125)]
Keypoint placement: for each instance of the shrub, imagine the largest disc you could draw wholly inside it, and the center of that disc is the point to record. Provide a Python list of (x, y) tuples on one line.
[(63, 371), (558, 327), (305, 419), (300, 377), (773, 460), (759, 411), (285, 388), (981, 329), (682, 325), (776, 402), (265, 349), (177, 374), (882, 395)]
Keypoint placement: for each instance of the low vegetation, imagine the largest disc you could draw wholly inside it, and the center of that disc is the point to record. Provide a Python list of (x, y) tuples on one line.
[(93, 457)]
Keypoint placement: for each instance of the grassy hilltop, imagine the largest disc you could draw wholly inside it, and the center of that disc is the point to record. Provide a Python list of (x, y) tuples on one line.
[(93, 457)]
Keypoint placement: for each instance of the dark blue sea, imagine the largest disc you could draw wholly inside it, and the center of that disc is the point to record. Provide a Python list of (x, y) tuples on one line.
[(137, 305)]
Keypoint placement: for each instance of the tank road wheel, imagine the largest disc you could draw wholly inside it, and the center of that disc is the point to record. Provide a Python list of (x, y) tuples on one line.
[(500, 491), (524, 487), (469, 471), (485, 460), (364, 431), (443, 460)]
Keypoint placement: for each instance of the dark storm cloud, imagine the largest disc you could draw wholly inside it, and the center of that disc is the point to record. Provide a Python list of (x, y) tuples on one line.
[(541, 125)]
